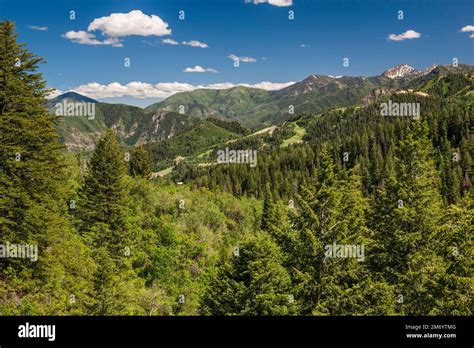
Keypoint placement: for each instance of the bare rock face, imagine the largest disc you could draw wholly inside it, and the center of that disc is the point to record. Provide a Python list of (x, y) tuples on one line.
[(430, 69), (401, 70), (378, 92)]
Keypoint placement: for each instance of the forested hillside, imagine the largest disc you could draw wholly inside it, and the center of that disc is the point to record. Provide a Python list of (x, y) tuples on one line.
[(134, 125), (256, 108), (346, 212), (368, 140)]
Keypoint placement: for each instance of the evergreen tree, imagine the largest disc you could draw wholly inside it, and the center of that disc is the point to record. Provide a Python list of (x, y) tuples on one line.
[(104, 195), (105, 223), (350, 286), (331, 220), (466, 165), (33, 208), (405, 221), (140, 162), (253, 283), (454, 294), (314, 225), (115, 287), (269, 218)]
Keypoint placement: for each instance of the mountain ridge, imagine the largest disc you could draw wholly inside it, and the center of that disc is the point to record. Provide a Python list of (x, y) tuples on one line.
[(254, 108), (315, 93)]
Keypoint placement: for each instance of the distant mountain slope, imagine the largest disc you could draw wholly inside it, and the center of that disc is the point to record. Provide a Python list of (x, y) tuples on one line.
[(446, 98), (254, 108), (133, 125), (257, 108), (202, 136), (72, 96), (228, 103), (440, 77), (442, 85)]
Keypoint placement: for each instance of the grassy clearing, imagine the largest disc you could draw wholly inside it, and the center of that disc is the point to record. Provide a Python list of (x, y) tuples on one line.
[(297, 138)]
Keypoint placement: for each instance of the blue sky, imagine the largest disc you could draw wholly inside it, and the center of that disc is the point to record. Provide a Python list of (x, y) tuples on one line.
[(82, 54)]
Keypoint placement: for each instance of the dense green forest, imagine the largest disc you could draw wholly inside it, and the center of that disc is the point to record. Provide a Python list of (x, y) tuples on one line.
[(230, 239)]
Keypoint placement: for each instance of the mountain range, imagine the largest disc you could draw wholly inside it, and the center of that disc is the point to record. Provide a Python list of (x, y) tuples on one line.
[(253, 108)]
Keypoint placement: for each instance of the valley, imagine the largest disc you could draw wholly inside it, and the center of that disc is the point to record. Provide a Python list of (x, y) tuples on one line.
[(207, 126)]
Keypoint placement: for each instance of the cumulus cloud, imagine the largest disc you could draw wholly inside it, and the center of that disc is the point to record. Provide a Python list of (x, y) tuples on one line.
[(141, 90), (279, 3), (471, 36), (118, 25), (170, 42), (199, 69), (304, 46), (467, 28), (133, 23), (85, 38), (241, 59), (409, 34), (34, 27)]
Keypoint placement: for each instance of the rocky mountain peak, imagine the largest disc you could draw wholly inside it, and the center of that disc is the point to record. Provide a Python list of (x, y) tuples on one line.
[(401, 70)]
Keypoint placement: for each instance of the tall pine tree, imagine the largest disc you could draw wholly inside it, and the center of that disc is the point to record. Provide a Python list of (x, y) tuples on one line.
[(33, 193), (104, 195), (405, 222), (253, 283), (140, 162)]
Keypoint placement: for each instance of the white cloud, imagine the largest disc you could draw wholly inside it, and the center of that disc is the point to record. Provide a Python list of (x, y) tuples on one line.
[(133, 23), (241, 59), (199, 69), (118, 25), (304, 46), (467, 28), (34, 27), (133, 89), (170, 42), (54, 93), (270, 86), (279, 3), (192, 43), (163, 90), (409, 34), (85, 38), (195, 43)]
